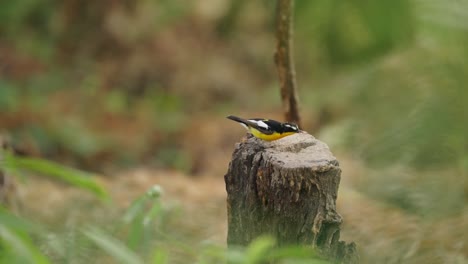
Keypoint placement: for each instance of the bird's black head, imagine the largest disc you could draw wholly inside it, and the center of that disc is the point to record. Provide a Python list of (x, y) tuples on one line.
[(290, 127)]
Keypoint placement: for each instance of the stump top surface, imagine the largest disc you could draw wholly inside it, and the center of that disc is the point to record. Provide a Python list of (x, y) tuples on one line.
[(296, 151)]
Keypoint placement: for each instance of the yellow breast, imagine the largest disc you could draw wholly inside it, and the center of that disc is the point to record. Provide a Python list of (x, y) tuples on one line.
[(266, 137)]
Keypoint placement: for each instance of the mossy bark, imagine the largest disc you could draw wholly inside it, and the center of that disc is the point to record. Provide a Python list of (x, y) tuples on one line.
[(286, 188)]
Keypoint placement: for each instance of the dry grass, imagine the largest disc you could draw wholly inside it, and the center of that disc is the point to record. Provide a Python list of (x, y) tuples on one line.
[(383, 233), (387, 234)]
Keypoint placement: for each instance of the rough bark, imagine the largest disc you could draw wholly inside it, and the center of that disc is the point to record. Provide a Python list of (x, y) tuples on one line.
[(286, 188), (284, 59)]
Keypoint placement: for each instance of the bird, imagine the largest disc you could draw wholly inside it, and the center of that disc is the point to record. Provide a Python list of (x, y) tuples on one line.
[(266, 129)]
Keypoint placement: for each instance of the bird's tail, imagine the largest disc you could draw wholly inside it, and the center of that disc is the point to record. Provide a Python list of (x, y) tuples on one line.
[(238, 119), (244, 122)]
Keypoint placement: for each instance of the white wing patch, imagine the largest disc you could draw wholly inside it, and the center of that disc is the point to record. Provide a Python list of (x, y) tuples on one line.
[(290, 126), (260, 123)]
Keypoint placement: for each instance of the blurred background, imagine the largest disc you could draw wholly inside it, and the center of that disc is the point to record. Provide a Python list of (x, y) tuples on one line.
[(138, 91)]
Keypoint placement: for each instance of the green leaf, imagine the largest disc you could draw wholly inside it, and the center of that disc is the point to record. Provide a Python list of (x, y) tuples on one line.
[(141, 214), (13, 222), (72, 176), (16, 241), (152, 214), (112, 246), (258, 250), (160, 256), (138, 206)]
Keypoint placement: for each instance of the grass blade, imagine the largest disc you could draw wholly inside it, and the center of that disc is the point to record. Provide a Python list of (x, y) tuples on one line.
[(72, 176), (14, 239), (112, 246)]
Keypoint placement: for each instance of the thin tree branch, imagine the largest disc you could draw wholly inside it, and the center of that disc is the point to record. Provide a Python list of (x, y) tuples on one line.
[(284, 60)]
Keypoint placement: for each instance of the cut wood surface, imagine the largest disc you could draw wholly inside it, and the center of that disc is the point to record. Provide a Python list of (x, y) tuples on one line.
[(286, 188)]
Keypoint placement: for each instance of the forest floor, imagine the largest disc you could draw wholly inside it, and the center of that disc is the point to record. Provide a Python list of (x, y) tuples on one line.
[(382, 232)]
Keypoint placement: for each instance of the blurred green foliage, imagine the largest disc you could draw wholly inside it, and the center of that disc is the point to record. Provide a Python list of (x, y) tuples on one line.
[(400, 65), (9, 96), (74, 177), (392, 80), (355, 31), (139, 236), (81, 179), (122, 83), (17, 245)]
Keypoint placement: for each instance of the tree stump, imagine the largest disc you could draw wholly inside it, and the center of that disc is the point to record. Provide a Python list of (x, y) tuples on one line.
[(287, 189)]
